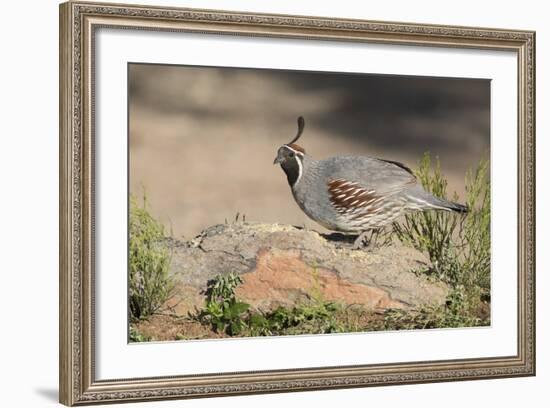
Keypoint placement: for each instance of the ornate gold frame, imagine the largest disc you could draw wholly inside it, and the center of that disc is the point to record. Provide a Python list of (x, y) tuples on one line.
[(78, 21)]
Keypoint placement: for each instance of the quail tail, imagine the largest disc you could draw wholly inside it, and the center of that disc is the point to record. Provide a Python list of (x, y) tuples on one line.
[(456, 207), (428, 201)]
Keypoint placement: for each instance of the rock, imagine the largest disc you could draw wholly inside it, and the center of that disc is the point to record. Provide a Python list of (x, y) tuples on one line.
[(286, 265)]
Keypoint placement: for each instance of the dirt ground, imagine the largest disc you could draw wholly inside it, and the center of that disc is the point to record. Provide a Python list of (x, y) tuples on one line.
[(202, 140), (163, 327), (166, 327), (169, 327)]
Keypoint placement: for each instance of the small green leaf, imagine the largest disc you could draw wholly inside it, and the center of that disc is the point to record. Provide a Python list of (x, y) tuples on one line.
[(240, 307)]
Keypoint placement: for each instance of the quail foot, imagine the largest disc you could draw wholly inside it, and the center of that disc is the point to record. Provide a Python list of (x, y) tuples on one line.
[(353, 194)]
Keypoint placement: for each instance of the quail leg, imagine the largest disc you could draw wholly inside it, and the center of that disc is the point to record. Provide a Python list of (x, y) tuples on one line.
[(368, 239), (362, 240)]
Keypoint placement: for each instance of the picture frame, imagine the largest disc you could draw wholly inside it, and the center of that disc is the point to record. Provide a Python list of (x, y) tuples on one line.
[(79, 25)]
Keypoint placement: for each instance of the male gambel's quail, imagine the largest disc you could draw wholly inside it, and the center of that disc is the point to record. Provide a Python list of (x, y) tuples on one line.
[(354, 194)]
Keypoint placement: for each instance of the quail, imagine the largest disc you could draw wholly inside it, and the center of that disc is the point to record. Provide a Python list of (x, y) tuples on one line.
[(353, 194)]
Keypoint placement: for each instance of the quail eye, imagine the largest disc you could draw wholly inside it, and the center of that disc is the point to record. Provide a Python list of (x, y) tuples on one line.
[(291, 154)]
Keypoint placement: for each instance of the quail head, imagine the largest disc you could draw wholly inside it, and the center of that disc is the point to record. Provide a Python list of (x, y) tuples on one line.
[(354, 194)]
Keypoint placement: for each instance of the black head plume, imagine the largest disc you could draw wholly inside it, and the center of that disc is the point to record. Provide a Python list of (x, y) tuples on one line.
[(301, 125)]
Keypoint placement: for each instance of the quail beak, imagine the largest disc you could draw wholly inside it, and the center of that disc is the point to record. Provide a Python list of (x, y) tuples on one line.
[(278, 159)]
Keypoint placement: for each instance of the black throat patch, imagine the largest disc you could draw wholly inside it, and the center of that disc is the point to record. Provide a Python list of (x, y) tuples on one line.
[(292, 169)]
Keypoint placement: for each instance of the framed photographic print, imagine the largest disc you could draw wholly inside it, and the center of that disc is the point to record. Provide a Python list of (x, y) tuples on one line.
[(260, 203)]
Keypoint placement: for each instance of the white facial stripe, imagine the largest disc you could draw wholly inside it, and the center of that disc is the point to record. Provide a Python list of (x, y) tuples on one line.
[(300, 169)]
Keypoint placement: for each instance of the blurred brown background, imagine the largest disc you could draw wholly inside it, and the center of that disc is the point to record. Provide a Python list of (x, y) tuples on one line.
[(203, 140)]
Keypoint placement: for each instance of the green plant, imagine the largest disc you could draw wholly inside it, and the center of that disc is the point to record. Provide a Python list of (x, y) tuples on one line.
[(459, 248), (477, 228), (149, 283), (226, 314), (222, 309), (430, 231), (458, 245), (458, 311), (313, 317)]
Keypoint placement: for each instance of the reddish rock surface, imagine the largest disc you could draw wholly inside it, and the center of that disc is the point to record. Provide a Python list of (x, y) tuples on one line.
[(281, 277), (285, 265)]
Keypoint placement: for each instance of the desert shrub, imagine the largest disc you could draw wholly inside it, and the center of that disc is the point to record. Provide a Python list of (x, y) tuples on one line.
[(431, 231), (149, 261), (476, 234), (459, 248), (458, 245)]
